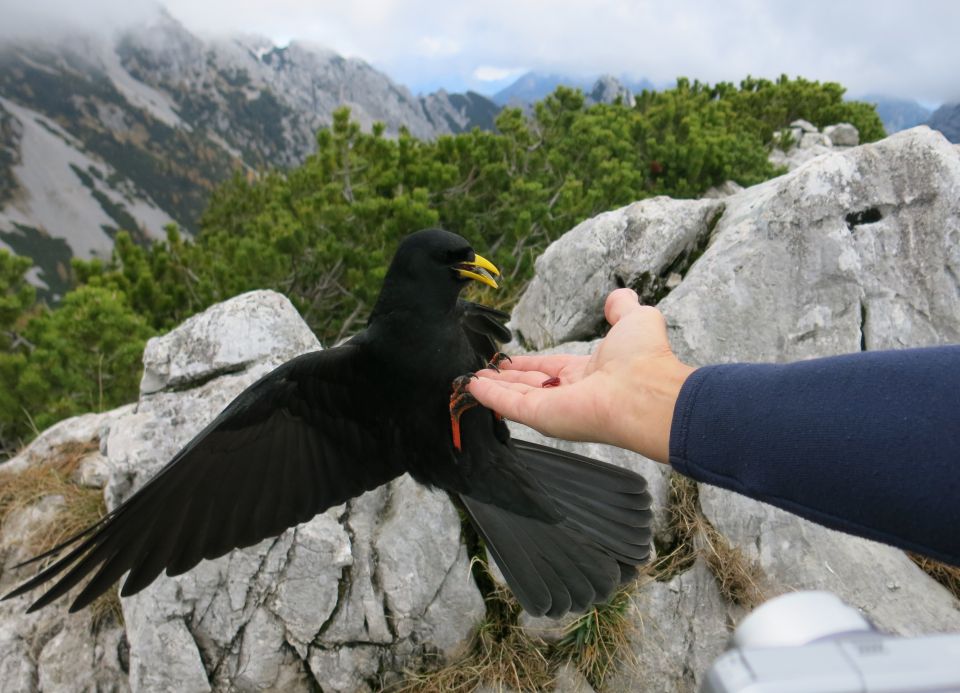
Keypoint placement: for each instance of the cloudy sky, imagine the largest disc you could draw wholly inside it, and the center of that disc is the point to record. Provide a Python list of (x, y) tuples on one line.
[(870, 46)]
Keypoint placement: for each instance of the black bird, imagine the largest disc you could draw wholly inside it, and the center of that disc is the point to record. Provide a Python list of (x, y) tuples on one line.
[(328, 425)]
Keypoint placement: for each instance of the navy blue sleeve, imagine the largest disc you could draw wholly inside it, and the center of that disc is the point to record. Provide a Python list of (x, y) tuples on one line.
[(866, 443)]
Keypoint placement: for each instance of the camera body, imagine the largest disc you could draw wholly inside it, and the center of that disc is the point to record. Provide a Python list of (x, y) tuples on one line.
[(811, 642)]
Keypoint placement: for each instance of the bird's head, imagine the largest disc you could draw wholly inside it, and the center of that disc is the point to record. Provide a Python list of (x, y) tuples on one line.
[(429, 270)]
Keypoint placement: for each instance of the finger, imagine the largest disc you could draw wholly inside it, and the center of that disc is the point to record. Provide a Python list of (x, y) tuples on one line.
[(550, 364), (619, 303), (515, 386), (531, 378), (510, 400)]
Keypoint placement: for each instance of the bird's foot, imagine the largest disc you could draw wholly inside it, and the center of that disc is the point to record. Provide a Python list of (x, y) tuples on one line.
[(497, 359), (460, 401)]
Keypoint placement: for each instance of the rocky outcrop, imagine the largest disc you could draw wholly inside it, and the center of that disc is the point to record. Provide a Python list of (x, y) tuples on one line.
[(460, 112), (534, 86), (856, 249), (345, 601)]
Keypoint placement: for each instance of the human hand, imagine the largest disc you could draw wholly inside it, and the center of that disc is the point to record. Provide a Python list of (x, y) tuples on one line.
[(623, 394)]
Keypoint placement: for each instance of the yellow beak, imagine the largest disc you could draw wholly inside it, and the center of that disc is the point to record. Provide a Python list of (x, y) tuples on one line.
[(479, 269)]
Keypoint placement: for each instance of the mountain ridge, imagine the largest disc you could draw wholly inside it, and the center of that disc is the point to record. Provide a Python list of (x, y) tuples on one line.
[(134, 131)]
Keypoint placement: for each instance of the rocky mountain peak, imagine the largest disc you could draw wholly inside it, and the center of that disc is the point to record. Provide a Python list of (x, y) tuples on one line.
[(101, 132), (607, 89)]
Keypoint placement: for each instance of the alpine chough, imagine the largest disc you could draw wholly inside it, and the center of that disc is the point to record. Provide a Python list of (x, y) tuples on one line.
[(328, 425)]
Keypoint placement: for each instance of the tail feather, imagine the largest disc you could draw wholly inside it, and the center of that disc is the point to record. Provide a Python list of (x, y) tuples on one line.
[(511, 553), (550, 569), (604, 533)]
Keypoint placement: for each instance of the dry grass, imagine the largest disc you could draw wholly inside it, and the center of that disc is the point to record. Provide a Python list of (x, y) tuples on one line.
[(81, 507), (514, 662), (944, 573), (501, 656), (737, 577), (694, 536)]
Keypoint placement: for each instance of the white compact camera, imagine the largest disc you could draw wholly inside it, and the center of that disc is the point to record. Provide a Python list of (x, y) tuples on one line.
[(811, 642)]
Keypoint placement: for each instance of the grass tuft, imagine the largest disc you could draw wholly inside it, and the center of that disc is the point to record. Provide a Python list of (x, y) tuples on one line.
[(944, 573), (82, 506), (693, 536), (501, 656), (600, 638)]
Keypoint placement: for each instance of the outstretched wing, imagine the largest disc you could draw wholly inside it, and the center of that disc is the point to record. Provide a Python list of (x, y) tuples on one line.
[(484, 327), (305, 437)]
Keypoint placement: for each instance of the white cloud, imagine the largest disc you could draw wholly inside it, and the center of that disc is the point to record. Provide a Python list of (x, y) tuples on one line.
[(488, 73), (886, 46), (46, 18), (438, 46)]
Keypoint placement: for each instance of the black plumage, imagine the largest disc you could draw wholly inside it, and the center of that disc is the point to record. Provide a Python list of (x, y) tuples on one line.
[(328, 425)]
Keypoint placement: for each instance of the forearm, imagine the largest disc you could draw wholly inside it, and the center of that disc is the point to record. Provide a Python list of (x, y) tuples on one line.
[(867, 443)]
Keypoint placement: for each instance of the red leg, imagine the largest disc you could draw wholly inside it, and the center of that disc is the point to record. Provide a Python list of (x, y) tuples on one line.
[(460, 401)]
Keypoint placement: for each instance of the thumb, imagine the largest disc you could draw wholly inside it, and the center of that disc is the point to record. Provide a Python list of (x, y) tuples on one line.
[(619, 303)]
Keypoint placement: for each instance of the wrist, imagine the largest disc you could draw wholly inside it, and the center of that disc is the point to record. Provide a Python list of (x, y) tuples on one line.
[(655, 386)]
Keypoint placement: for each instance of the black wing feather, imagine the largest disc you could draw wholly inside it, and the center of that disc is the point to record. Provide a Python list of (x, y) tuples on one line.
[(484, 326), (305, 437)]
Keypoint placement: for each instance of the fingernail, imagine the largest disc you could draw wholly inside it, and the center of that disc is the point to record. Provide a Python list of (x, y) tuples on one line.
[(550, 382)]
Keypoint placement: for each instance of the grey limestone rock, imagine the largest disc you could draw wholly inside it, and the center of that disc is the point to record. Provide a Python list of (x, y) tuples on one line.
[(638, 246), (51, 650), (858, 249), (361, 590), (808, 143), (842, 135), (242, 332), (723, 190), (608, 89), (679, 628), (804, 126)]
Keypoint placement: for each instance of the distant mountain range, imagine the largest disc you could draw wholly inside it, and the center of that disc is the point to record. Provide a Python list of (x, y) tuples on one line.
[(134, 132), (946, 119), (534, 86), (898, 114)]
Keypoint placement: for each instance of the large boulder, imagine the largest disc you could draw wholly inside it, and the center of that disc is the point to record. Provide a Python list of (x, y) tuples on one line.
[(856, 250), (340, 602)]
